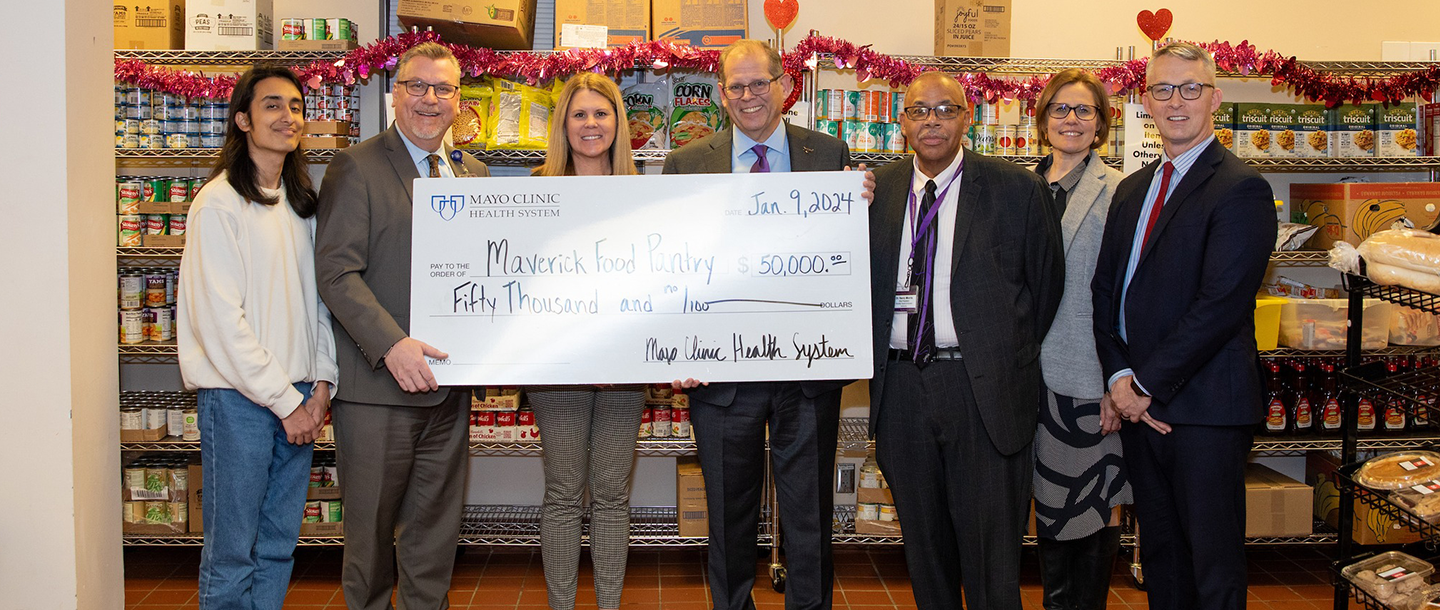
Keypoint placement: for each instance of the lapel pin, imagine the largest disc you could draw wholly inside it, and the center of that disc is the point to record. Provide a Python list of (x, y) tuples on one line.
[(807, 149)]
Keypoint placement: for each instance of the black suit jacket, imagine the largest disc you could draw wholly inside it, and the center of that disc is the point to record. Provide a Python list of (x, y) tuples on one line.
[(1007, 275), (810, 151), (1190, 306)]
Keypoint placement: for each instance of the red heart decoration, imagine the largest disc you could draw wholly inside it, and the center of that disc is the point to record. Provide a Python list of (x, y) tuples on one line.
[(1153, 24), (781, 13)]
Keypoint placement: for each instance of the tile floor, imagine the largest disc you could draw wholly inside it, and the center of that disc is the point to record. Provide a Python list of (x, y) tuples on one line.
[(511, 578)]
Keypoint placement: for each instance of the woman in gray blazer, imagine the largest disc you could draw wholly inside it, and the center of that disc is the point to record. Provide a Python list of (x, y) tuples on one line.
[(1079, 474)]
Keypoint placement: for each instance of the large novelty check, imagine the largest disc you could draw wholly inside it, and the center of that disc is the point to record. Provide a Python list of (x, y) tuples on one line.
[(626, 279)]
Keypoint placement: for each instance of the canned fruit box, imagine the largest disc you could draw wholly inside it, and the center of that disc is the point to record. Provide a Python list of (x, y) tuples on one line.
[(1252, 130), (163, 241), (1282, 131), (1312, 131), (1395, 129), (1353, 128)]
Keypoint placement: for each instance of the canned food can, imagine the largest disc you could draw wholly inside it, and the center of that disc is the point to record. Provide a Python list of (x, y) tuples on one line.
[(647, 427), (130, 112), (987, 114), (851, 131), (982, 139), (885, 108), (179, 512), (190, 112), (213, 110), (149, 127), (680, 423), (155, 224), (130, 140), (869, 138), (312, 511), (137, 96), (851, 108), (334, 511), (822, 104), (166, 113), (171, 126), (897, 105), (179, 191), (162, 328), (192, 426), (175, 422), (212, 141), (1005, 140), (130, 126), (157, 512), (130, 419), (292, 29), (324, 114), (190, 127), (894, 138), (128, 195), (869, 106), (150, 142), (119, 95), (155, 289), (130, 228), (834, 104), (344, 30), (332, 28), (143, 112), (315, 29), (177, 224), (332, 472), (135, 472), (887, 512), (172, 279), (317, 476), (660, 419), (150, 188), (1028, 112), (177, 140), (867, 511), (828, 127), (212, 127), (155, 420), (180, 472), (133, 512), (120, 126)]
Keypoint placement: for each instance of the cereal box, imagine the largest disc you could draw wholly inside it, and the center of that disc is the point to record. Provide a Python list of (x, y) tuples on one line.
[(1353, 128), (1282, 130), (1312, 131), (1395, 130), (1224, 125), (1252, 130)]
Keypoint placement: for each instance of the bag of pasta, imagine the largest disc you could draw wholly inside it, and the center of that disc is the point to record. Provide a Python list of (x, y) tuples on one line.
[(696, 110), (519, 116), (647, 106), (471, 129)]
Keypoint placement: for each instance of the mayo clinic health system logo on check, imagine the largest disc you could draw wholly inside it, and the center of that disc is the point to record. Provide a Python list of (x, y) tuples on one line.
[(497, 205)]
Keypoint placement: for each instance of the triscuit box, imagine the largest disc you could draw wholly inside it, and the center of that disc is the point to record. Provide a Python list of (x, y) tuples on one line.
[(707, 24), (150, 26), (496, 24), (1276, 505), (1395, 130), (1252, 130), (1353, 128), (973, 28), (229, 25), (1370, 526), (1351, 212), (1282, 130), (690, 507), (1225, 125), (1312, 131), (625, 21)]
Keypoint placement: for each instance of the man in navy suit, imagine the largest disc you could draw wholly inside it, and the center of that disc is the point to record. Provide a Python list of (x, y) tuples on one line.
[(1185, 249)]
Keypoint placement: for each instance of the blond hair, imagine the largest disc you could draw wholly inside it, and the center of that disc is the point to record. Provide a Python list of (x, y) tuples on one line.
[(557, 152), (1097, 88), (432, 50)]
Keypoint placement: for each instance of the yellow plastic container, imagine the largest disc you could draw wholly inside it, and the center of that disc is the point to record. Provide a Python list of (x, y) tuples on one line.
[(1267, 322)]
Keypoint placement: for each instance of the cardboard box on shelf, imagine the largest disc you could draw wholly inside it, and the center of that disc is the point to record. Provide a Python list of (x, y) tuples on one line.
[(625, 21), (874, 495), (1352, 212), (323, 529), (497, 399), (230, 25), (163, 241), (312, 142), (497, 24), (322, 493), (711, 24), (326, 128), (690, 507), (1370, 526), (150, 26), (197, 496), (143, 436), (1276, 505), (972, 28), (316, 45)]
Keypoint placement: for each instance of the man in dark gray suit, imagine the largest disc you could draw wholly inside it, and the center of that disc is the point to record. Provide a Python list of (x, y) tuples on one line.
[(730, 419), (967, 269), (402, 440)]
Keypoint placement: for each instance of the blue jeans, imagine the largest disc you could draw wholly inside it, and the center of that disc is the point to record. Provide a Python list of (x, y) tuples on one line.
[(253, 500)]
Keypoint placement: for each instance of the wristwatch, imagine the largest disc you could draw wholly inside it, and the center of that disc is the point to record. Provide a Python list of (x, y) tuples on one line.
[(1136, 387)]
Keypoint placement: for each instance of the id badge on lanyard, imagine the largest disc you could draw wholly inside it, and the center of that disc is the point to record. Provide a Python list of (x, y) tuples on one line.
[(907, 297)]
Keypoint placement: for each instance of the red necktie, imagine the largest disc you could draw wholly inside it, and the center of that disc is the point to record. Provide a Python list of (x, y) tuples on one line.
[(762, 165), (1159, 201)]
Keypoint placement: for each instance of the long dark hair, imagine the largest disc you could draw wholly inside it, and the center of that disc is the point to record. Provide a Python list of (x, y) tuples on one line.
[(235, 155)]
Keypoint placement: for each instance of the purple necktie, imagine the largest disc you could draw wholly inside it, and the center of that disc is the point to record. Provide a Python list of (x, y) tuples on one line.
[(762, 165)]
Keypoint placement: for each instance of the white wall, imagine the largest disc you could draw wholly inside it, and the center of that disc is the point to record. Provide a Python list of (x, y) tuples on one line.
[(58, 373)]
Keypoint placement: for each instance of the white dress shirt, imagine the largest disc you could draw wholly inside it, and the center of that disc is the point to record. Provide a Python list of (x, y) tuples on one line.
[(945, 335)]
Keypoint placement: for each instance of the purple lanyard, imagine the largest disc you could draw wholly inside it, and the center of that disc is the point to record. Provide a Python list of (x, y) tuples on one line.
[(920, 228)]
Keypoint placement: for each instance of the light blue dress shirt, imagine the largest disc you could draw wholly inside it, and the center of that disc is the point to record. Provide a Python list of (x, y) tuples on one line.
[(777, 151), (422, 164), (1182, 163)]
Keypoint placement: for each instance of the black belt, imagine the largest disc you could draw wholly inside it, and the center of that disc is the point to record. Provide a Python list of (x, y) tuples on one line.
[(942, 353)]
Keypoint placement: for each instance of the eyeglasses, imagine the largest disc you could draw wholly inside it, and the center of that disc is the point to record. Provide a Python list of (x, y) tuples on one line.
[(758, 88), (419, 88), (944, 112), (1189, 91), (1083, 112)]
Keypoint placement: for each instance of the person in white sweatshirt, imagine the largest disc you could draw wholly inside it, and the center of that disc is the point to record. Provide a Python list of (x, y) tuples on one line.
[(255, 343)]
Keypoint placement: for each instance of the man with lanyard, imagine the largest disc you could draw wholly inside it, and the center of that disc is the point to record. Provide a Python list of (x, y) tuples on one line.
[(967, 271)]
